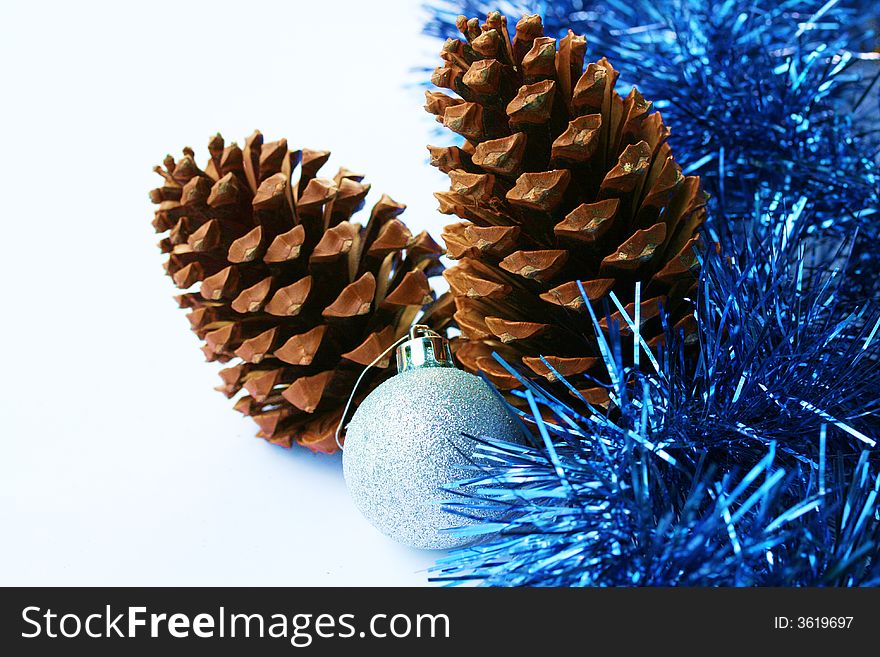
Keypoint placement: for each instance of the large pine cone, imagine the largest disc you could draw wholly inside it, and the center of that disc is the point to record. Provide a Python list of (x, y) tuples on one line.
[(560, 180), (301, 298)]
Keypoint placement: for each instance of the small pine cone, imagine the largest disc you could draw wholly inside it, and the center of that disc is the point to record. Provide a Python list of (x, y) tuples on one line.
[(282, 283), (559, 180)]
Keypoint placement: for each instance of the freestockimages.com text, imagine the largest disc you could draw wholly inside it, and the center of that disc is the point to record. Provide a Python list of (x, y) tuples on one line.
[(299, 629)]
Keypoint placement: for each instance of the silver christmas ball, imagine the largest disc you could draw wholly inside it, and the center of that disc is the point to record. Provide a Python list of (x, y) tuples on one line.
[(405, 443)]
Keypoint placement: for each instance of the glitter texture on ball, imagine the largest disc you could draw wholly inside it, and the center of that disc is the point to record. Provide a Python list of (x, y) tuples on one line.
[(405, 443)]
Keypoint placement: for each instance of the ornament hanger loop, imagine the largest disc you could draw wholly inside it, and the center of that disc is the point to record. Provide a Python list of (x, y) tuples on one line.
[(418, 330)]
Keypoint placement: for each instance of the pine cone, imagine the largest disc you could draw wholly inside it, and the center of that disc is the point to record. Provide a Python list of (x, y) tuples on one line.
[(559, 180), (292, 291)]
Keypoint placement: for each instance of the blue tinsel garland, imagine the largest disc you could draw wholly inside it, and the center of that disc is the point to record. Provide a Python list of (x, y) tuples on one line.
[(757, 466)]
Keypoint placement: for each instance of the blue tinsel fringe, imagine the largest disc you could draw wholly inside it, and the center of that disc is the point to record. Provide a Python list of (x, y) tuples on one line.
[(758, 465)]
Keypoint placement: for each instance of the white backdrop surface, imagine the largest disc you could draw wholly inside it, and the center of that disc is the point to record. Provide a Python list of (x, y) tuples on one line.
[(119, 464)]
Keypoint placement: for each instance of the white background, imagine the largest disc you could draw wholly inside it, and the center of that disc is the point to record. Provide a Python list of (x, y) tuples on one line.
[(119, 463)]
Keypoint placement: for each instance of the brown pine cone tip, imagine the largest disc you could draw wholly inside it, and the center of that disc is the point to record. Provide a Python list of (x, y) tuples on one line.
[(280, 281), (559, 180)]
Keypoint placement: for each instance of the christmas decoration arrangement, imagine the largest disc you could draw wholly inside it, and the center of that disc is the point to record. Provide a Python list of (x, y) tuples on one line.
[(664, 325), (282, 282), (756, 464)]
